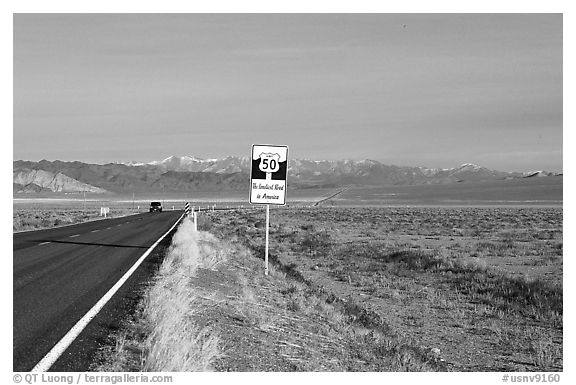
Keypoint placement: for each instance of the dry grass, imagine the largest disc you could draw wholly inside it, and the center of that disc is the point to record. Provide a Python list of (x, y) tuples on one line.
[(165, 334), (175, 342)]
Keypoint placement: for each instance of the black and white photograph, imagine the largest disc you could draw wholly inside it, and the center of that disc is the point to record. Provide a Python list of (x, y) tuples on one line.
[(287, 192)]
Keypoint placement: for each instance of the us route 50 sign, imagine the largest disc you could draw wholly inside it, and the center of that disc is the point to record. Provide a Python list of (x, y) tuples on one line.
[(268, 174)]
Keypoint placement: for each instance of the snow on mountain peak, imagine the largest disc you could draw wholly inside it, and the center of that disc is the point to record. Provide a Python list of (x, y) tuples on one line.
[(305, 168), (470, 166)]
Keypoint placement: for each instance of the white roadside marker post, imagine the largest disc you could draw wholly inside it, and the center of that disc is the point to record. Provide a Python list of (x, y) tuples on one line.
[(195, 221)]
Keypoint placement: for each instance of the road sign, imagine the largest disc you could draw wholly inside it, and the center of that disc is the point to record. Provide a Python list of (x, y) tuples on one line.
[(268, 174), (268, 181)]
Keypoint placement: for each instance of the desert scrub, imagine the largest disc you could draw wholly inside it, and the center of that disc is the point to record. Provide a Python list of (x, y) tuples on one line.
[(363, 339), (316, 243), (37, 219), (469, 276), (472, 278), (43, 219), (366, 336), (543, 223)]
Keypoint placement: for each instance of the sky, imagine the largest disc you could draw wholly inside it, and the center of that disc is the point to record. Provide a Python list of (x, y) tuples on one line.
[(434, 90)]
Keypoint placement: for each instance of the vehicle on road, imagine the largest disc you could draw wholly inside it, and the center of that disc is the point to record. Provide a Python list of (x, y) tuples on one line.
[(155, 206)]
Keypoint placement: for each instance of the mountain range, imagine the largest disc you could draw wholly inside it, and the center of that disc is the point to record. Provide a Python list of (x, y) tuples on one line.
[(186, 173)]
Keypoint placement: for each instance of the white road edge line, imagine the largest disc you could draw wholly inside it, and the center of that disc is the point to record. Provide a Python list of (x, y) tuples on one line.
[(75, 235), (67, 340), (43, 243)]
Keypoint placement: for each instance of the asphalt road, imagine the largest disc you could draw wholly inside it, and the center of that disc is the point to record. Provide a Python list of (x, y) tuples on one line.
[(59, 274)]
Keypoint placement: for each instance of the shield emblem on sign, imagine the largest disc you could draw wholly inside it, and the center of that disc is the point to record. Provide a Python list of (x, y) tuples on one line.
[(269, 162)]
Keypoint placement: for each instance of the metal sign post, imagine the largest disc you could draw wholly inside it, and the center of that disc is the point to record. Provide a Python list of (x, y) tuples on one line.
[(268, 181), (267, 227)]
